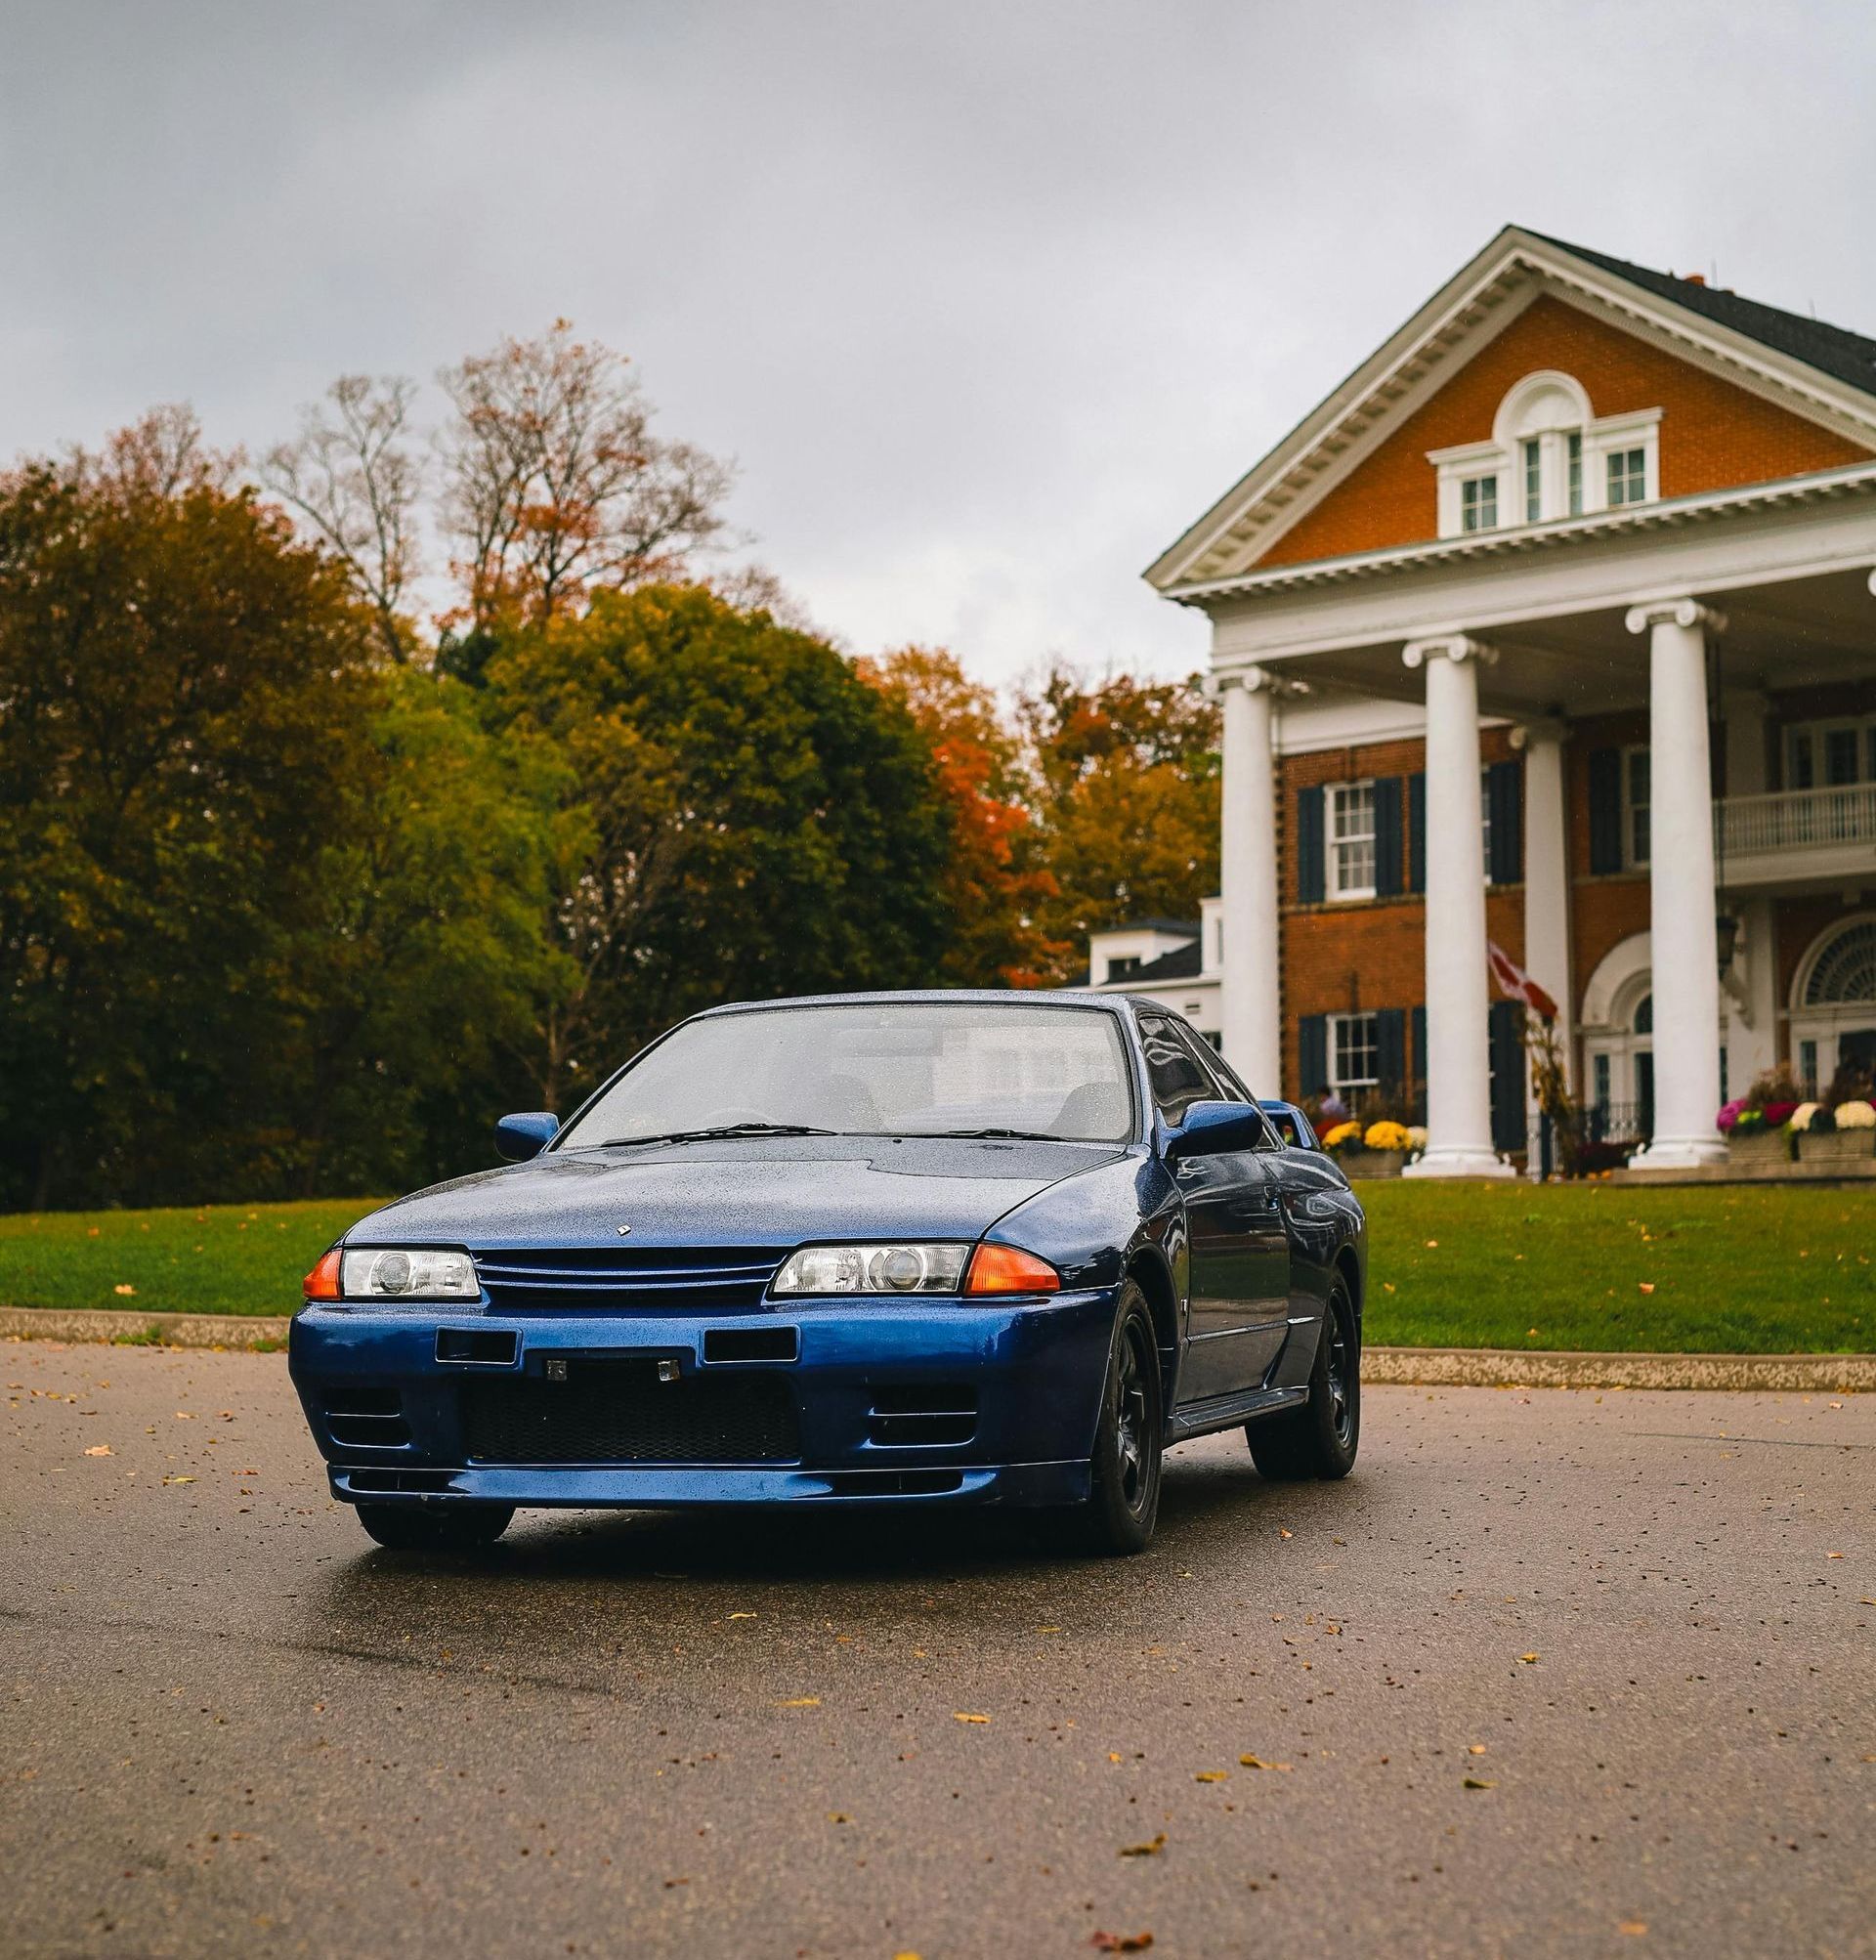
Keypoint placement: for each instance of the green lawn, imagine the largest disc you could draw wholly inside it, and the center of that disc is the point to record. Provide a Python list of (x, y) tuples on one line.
[(1733, 1268), (209, 1258)]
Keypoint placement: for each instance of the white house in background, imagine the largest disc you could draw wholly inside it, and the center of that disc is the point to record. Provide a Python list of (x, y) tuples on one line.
[(1172, 961), (1553, 625)]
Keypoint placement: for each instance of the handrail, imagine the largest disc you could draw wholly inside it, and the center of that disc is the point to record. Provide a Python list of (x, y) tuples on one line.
[(1796, 820)]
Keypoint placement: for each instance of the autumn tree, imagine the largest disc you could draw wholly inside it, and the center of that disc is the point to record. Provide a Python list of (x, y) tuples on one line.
[(177, 683), (354, 476), (1126, 797), (995, 884), (555, 485), (745, 817)]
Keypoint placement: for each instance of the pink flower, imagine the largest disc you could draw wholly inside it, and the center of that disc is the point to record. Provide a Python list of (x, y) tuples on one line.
[(1729, 1115)]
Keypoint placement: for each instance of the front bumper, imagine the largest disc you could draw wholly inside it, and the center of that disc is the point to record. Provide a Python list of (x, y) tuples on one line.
[(1030, 1376)]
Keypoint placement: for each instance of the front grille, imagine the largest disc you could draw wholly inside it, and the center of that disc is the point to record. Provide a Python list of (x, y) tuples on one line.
[(613, 1412), (612, 1279)]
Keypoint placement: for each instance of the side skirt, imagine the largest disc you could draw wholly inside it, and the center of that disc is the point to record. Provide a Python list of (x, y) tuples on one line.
[(1228, 1412)]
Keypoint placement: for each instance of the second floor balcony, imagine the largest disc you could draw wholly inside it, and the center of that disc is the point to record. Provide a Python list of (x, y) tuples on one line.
[(1798, 835)]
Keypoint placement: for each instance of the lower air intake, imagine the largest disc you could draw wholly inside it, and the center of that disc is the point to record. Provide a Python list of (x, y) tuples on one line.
[(618, 1412)]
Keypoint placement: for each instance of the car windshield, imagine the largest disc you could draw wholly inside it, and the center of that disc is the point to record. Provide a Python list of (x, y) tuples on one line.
[(895, 1068)]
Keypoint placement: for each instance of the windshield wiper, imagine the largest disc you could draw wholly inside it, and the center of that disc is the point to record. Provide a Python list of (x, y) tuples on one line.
[(995, 1131), (725, 1130)]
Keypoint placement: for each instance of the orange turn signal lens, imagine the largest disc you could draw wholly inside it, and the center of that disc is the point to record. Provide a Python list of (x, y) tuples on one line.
[(322, 1282), (1005, 1269)]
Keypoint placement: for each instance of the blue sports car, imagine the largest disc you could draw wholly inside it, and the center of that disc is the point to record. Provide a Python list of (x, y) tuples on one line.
[(945, 1247)]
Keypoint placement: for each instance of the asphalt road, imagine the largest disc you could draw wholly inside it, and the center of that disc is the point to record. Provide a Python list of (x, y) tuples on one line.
[(1552, 1672)]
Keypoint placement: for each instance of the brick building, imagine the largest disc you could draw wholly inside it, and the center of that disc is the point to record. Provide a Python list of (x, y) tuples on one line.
[(1554, 625)]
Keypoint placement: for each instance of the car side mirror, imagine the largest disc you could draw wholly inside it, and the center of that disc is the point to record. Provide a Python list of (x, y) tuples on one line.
[(1209, 1128), (526, 1135)]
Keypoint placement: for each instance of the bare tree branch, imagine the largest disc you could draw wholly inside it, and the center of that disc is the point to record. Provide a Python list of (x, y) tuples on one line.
[(554, 483), (353, 478)]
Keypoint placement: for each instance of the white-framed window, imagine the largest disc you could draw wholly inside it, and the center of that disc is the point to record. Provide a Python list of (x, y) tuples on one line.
[(1350, 810), (1635, 794), (1628, 477), (1552, 457), (1478, 503), (1829, 755), (1353, 1053)]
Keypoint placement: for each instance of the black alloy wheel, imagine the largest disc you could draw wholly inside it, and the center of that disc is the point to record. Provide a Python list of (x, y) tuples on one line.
[(447, 1527), (1321, 1438), (1129, 1438)]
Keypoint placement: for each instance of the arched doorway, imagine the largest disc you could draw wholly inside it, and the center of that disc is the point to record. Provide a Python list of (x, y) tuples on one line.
[(1833, 1003), (1618, 1042)]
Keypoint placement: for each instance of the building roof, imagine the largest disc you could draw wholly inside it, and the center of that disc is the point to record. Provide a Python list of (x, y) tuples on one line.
[(1831, 350), (1185, 928), (1823, 373), (1182, 964)]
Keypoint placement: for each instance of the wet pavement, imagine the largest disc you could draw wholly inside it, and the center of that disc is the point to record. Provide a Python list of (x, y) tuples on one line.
[(1552, 1672)]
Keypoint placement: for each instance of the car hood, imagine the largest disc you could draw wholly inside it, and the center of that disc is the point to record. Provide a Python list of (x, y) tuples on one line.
[(744, 1191)]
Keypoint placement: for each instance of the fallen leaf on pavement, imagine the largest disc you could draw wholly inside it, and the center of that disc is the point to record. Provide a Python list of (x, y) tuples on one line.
[(1147, 1851), (801, 1702), (1212, 1776), (1120, 1942), (1480, 1783), (971, 1717), (1475, 1749), (1258, 1762), (179, 1479), (101, 1450), (742, 1616), (1530, 1660), (1281, 1533), (1635, 1927)]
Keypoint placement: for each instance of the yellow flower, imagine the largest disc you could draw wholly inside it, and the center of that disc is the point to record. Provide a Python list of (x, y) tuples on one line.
[(1343, 1133), (1385, 1136)]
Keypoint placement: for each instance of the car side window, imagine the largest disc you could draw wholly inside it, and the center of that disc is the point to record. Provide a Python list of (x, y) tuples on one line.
[(1225, 1085), (1172, 1069)]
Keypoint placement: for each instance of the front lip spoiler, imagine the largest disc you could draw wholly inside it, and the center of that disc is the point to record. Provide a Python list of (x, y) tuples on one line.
[(655, 1487)]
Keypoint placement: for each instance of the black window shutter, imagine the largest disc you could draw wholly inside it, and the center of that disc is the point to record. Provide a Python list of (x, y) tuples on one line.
[(1420, 1065), (1507, 1076), (1310, 881), (1416, 830), (1386, 835), (1505, 799), (1606, 810), (1312, 1053), (1391, 1049)]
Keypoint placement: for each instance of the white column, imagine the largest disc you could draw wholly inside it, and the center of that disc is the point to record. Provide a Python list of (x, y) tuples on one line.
[(1681, 896), (1248, 988), (1459, 1081), (1547, 870)]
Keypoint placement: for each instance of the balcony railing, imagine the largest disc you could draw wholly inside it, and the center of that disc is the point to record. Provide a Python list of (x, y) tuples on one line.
[(1797, 819)]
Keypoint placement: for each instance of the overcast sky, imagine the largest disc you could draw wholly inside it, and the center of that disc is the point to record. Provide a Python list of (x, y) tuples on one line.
[(987, 298)]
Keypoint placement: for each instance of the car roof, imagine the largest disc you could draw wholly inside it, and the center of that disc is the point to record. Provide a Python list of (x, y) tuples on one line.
[(1001, 997)]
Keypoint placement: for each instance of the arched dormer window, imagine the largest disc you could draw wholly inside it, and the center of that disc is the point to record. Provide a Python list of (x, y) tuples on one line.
[(1549, 458)]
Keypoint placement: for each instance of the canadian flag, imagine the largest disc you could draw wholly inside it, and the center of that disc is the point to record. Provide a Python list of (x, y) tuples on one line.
[(1517, 985)]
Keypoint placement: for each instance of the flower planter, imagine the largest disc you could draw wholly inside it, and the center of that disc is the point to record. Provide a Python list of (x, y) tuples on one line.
[(1837, 1147), (1760, 1149), (1371, 1162)]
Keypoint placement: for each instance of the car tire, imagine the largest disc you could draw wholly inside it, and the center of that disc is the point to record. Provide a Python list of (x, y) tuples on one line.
[(1129, 1438), (1320, 1440), (451, 1527)]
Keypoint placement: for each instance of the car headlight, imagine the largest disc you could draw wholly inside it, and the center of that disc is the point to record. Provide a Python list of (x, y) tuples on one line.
[(913, 1268), (397, 1272)]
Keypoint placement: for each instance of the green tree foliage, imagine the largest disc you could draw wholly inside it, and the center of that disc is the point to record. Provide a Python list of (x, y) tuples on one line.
[(745, 816), (268, 912), (1126, 793)]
